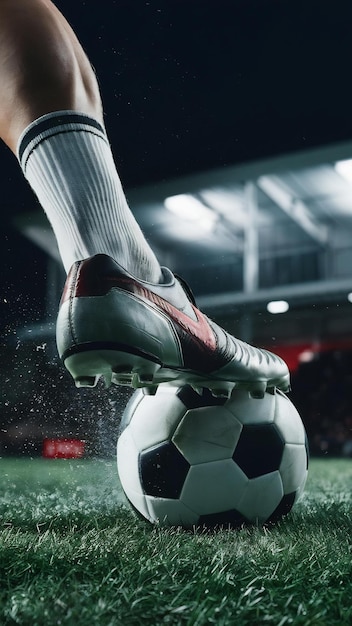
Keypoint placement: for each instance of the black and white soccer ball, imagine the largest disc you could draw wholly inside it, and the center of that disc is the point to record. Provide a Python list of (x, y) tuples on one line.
[(188, 460)]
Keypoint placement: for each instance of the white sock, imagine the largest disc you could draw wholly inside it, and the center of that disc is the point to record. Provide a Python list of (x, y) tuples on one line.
[(67, 160)]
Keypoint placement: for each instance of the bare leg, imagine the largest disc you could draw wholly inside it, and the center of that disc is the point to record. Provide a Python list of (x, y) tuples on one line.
[(43, 67)]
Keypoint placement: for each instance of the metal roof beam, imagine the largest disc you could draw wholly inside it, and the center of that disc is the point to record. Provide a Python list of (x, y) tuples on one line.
[(299, 293), (251, 245), (295, 208)]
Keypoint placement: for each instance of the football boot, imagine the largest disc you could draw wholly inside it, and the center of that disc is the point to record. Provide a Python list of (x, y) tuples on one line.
[(132, 332)]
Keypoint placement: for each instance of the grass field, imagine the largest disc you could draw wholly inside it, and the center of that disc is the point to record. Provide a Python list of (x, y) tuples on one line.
[(71, 553)]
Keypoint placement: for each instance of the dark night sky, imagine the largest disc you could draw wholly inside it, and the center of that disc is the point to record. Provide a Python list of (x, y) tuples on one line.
[(189, 85)]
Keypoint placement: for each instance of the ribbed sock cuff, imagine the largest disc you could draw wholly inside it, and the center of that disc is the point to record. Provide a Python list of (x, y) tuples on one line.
[(51, 124)]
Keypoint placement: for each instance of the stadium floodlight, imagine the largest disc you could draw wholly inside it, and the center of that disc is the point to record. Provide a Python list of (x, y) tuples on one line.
[(344, 168), (278, 306), (306, 356), (349, 296), (189, 208)]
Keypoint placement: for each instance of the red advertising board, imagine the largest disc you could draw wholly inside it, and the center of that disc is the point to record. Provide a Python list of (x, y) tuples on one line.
[(63, 448)]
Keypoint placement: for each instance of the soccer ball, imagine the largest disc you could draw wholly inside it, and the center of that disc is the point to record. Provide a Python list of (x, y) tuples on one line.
[(189, 460)]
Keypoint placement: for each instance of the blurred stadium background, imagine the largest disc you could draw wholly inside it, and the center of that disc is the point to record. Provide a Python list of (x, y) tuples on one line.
[(233, 136)]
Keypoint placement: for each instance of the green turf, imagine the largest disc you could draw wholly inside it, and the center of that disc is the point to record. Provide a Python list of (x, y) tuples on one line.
[(70, 553)]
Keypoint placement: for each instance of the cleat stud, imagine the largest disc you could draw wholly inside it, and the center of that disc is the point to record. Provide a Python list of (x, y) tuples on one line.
[(114, 379), (258, 391), (198, 390), (107, 380), (146, 378), (121, 380), (257, 394), (136, 381), (150, 391), (86, 381), (220, 393)]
